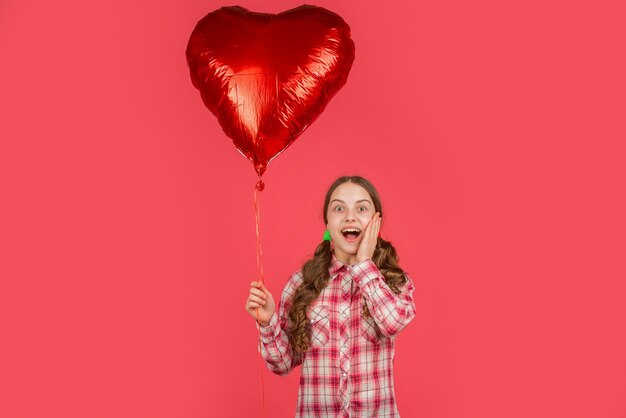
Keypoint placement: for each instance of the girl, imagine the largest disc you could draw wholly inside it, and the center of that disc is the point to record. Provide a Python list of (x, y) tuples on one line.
[(339, 315)]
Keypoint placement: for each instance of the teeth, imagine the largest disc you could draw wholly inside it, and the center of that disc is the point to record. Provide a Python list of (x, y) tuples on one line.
[(350, 230)]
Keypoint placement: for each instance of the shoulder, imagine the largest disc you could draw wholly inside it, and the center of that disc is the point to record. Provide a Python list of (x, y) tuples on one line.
[(408, 282), (294, 281)]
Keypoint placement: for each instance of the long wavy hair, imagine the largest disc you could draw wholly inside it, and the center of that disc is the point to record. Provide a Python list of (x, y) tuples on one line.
[(316, 271)]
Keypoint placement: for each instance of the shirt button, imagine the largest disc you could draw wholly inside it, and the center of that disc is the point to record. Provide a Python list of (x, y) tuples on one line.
[(345, 374), (343, 315)]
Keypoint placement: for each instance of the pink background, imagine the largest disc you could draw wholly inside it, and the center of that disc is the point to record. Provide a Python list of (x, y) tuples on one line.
[(494, 131)]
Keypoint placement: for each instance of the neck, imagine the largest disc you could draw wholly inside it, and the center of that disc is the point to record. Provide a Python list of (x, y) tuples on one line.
[(347, 259)]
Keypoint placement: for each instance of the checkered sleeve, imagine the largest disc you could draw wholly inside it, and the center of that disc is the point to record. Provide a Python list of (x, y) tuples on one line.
[(274, 343), (390, 311)]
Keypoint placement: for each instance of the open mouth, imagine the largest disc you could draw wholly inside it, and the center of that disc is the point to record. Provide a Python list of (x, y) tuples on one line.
[(351, 234)]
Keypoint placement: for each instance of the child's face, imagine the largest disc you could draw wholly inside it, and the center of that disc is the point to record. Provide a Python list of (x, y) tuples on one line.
[(350, 207)]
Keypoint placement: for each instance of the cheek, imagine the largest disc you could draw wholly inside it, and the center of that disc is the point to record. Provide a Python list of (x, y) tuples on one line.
[(332, 222)]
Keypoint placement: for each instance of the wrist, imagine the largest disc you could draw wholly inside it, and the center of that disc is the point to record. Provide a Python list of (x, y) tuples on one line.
[(267, 323)]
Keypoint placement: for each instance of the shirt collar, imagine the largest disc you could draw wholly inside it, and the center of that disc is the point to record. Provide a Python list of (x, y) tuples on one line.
[(336, 265)]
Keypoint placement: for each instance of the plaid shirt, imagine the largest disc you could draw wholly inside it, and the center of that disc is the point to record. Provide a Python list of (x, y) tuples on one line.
[(348, 370)]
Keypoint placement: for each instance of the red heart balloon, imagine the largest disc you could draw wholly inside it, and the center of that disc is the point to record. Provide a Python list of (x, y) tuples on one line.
[(268, 76)]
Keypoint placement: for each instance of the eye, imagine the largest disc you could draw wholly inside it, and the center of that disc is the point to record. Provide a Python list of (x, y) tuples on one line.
[(337, 208), (362, 207)]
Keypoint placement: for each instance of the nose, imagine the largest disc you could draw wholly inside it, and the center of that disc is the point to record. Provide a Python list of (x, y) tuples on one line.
[(350, 215)]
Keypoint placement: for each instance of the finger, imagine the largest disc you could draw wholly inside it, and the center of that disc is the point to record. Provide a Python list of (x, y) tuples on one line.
[(375, 219), (258, 292), (376, 228), (256, 299), (259, 285), (263, 288), (372, 226), (253, 305)]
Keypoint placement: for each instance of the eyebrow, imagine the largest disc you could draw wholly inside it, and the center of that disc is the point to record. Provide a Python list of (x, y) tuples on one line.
[(358, 201)]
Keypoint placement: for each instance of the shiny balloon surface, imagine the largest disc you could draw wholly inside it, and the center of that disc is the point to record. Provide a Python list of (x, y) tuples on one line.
[(267, 77)]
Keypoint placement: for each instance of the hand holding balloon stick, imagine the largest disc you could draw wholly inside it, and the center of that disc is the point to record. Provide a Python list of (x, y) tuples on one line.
[(267, 77)]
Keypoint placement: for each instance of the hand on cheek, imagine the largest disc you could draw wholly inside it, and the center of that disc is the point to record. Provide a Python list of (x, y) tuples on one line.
[(370, 237)]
